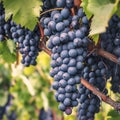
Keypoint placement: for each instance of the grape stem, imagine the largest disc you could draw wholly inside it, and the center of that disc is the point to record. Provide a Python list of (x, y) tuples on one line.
[(99, 51), (44, 48), (107, 55), (73, 11), (54, 115), (41, 30), (77, 3), (43, 40), (6, 37), (17, 55), (50, 10), (103, 97)]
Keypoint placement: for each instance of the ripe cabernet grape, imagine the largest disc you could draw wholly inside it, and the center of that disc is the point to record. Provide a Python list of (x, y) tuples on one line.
[(28, 43), (2, 22), (67, 45), (45, 115), (110, 41), (90, 103)]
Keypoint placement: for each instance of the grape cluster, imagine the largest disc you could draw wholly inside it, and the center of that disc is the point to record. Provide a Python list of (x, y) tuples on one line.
[(45, 115), (95, 73), (2, 112), (12, 116), (28, 41), (2, 21), (68, 43), (110, 41), (4, 108), (48, 4)]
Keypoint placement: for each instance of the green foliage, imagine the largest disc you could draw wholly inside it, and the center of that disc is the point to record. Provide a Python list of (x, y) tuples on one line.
[(25, 12), (118, 10), (7, 52), (11, 46), (95, 38), (30, 90), (84, 4), (5, 77), (102, 10), (113, 115)]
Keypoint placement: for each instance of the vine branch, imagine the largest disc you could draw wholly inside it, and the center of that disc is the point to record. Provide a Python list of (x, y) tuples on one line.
[(107, 55), (99, 51), (103, 97)]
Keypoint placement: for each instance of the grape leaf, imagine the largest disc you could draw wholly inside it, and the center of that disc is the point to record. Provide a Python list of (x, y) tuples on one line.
[(114, 115), (84, 4), (118, 10), (102, 11), (11, 45), (3, 97), (25, 12), (6, 54), (95, 38)]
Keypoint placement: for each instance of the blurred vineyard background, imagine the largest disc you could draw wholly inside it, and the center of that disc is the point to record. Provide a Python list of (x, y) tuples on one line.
[(30, 89)]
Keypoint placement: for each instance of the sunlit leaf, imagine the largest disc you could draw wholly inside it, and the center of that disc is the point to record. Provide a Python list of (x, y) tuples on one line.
[(113, 115), (25, 12), (6, 54), (102, 11)]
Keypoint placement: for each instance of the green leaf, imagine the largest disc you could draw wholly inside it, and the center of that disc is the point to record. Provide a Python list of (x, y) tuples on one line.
[(102, 11), (70, 117), (118, 10), (113, 115), (84, 4), (11, 46), (25, 12), (5, 53), (95, 38), (3, 97)]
